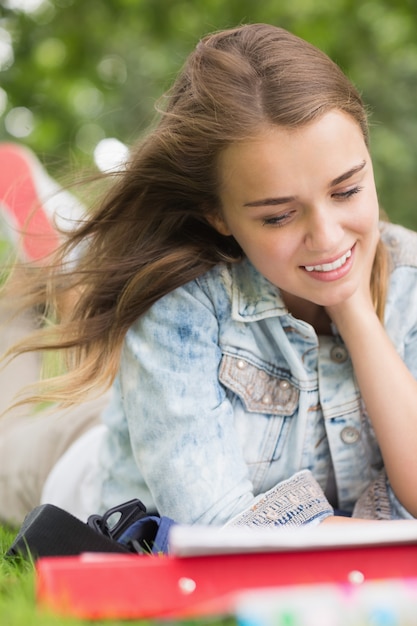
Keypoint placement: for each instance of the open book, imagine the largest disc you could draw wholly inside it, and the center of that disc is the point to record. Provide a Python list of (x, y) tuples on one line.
[(202, 540)]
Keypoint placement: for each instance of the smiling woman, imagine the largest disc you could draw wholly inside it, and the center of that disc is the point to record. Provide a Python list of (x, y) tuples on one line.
[(240, 295)]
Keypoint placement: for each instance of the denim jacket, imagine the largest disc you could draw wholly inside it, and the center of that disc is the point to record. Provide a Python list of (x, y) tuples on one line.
[(226, 405)]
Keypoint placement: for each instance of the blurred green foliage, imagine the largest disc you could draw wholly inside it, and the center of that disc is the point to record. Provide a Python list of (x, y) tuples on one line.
[(75, 71)]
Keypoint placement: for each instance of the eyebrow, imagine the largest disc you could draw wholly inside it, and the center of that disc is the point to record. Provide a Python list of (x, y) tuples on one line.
[(353, 170), (283, 200)]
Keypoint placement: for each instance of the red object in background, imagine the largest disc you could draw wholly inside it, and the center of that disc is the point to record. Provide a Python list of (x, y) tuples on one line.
[(129, 587), (21, 204)]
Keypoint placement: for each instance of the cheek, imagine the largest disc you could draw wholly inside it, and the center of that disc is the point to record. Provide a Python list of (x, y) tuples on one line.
[(372, 202), (367, 214), (373, 213), (270, 256)]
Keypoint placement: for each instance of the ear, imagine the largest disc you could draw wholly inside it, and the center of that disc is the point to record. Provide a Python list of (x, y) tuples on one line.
[(218, 223)]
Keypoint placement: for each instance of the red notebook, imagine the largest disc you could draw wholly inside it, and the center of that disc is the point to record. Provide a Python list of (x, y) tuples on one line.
[(208, 568)]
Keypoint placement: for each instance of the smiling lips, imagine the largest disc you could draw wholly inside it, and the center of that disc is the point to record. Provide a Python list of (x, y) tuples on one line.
[(329, 267)]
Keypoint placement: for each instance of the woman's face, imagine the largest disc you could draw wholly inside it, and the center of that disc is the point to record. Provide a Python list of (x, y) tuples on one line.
[(303, 207)]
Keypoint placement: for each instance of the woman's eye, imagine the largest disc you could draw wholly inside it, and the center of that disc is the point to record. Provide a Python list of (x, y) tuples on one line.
[(276, 220), (345, 195)]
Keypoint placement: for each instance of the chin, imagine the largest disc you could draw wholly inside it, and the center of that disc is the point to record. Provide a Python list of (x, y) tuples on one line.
[(335, 298)]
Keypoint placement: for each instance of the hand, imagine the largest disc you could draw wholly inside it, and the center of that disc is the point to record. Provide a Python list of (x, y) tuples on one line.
[(341, 519), (349, 311)]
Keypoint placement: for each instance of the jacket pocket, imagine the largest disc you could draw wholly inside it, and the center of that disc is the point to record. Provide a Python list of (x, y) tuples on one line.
[(260, 391)]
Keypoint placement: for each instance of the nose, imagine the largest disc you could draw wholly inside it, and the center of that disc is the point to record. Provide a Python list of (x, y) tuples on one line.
[(324, 231)]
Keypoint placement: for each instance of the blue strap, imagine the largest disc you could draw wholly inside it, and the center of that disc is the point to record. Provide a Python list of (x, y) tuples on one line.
[(148, 535)]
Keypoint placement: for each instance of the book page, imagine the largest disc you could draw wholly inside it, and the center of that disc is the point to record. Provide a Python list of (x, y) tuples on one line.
[(205, 540)]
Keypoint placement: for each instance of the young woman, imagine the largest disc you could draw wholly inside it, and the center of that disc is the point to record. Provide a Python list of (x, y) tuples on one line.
[(236, 288)]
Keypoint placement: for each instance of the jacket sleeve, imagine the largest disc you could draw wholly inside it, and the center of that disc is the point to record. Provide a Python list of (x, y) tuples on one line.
[(379, 502), (181, 423)]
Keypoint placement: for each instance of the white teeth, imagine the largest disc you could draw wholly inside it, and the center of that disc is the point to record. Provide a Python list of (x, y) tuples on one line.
[(328, 267)]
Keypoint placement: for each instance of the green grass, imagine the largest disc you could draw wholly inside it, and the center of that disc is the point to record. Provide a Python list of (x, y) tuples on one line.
[(17, 593), (18, 603)]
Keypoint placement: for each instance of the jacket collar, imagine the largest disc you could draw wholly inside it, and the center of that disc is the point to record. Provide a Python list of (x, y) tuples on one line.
[(253, 296)]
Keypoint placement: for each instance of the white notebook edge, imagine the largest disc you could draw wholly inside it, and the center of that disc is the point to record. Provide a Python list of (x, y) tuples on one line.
[(208, 540)]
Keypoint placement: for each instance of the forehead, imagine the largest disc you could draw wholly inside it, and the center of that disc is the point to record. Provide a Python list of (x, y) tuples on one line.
[(327, 143)]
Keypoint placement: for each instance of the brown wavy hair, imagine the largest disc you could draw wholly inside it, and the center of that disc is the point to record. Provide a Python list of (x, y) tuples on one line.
[(150, 232)]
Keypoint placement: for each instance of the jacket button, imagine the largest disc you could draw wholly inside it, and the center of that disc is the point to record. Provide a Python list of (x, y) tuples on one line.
[(284, 384), (338, 354), (241, 364), (349, 435)]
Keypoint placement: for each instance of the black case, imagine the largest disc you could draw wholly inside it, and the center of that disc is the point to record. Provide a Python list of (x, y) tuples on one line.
[(50, 531)]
